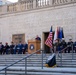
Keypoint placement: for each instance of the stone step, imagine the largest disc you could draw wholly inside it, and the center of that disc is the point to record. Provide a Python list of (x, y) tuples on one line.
[(35, 59), (36, 73), (22, 55), (66, 58), (34, 65), (38, 62), (32, 59), (39, 71), (13, 59), (43, 65), (67, 66)]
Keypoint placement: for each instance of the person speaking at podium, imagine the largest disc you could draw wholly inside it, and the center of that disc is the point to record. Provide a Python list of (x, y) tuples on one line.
[(38, 38)]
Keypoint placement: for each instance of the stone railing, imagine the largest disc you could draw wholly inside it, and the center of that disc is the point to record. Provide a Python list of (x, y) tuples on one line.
[(20, 6), (32, 4), (60, 2)]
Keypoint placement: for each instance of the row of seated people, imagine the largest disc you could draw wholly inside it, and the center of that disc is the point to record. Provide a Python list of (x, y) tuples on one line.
[(13, 49), (70, 45)]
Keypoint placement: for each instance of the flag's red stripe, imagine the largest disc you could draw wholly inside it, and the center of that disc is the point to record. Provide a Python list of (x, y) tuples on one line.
[(48, 42)]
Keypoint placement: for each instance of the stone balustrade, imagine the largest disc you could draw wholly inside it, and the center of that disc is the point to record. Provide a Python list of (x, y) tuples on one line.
[(32, 4)]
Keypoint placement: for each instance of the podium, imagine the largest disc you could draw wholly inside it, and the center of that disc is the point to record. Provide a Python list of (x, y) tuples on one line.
[(33, 46)]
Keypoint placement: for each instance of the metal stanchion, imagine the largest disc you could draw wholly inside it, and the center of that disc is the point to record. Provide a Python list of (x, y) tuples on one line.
[(72, 52), (42, 59), (5, 71), (25, 66), (61, 59)]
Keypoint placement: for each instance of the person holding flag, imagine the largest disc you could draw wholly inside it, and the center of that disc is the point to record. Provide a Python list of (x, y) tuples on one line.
[(49, 40), (58, 39), (51, 61)]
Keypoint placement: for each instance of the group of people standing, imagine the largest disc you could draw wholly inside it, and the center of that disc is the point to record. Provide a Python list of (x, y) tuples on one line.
[(66, 47), (20, 48), (13, 48)]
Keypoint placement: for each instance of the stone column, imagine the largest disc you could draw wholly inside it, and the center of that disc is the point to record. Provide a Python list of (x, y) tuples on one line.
[(34, 4), (0, 9), (4, 9), (51, 2)]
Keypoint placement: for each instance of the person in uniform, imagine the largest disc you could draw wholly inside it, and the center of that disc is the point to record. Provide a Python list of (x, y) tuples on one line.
[(1, 48), (19, 48), (6, 48), (75, 46), (64, 45), (70, 44), (25, 47), (15, 48), (57, 45), (11, 48)]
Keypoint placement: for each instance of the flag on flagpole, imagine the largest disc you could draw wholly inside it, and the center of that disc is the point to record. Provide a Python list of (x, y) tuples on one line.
[(56, 33), (62, 33), (49, 41), (51, 61)]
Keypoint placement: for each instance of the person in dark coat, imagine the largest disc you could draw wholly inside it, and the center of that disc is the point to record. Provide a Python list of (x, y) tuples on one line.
[(11, 48), (25, 47), (19, 48), (15, 48), (75, 46), (57, 45), (6, 48), (70, 44), (1, 48), (38, 38), (64, 45)]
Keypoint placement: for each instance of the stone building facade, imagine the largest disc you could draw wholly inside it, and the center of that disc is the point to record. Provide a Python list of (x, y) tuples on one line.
[(30, 18)]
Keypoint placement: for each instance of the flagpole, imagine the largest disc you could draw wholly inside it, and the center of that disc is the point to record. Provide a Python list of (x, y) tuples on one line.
[(48, 41), (51, 50)]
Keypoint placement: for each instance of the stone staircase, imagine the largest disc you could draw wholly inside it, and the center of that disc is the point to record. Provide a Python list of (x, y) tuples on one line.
[(34, 64)]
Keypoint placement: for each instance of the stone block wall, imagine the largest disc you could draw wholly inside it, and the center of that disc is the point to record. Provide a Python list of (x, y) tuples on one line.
[(36, 22)]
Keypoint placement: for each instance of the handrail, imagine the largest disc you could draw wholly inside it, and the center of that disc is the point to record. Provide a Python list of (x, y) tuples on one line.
[(20, 60), (61, 52), (64, 50)]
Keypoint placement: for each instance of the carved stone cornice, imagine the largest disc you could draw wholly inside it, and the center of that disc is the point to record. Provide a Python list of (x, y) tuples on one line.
[(32, 4)]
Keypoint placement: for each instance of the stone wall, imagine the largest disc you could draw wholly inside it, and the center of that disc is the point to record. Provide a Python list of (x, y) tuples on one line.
[(36, 22)]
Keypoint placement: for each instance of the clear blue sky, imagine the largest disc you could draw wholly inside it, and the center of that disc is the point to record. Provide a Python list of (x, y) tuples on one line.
[(12, 0)]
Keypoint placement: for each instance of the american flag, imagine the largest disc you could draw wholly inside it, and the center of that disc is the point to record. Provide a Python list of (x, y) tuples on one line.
[(49, 41)]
